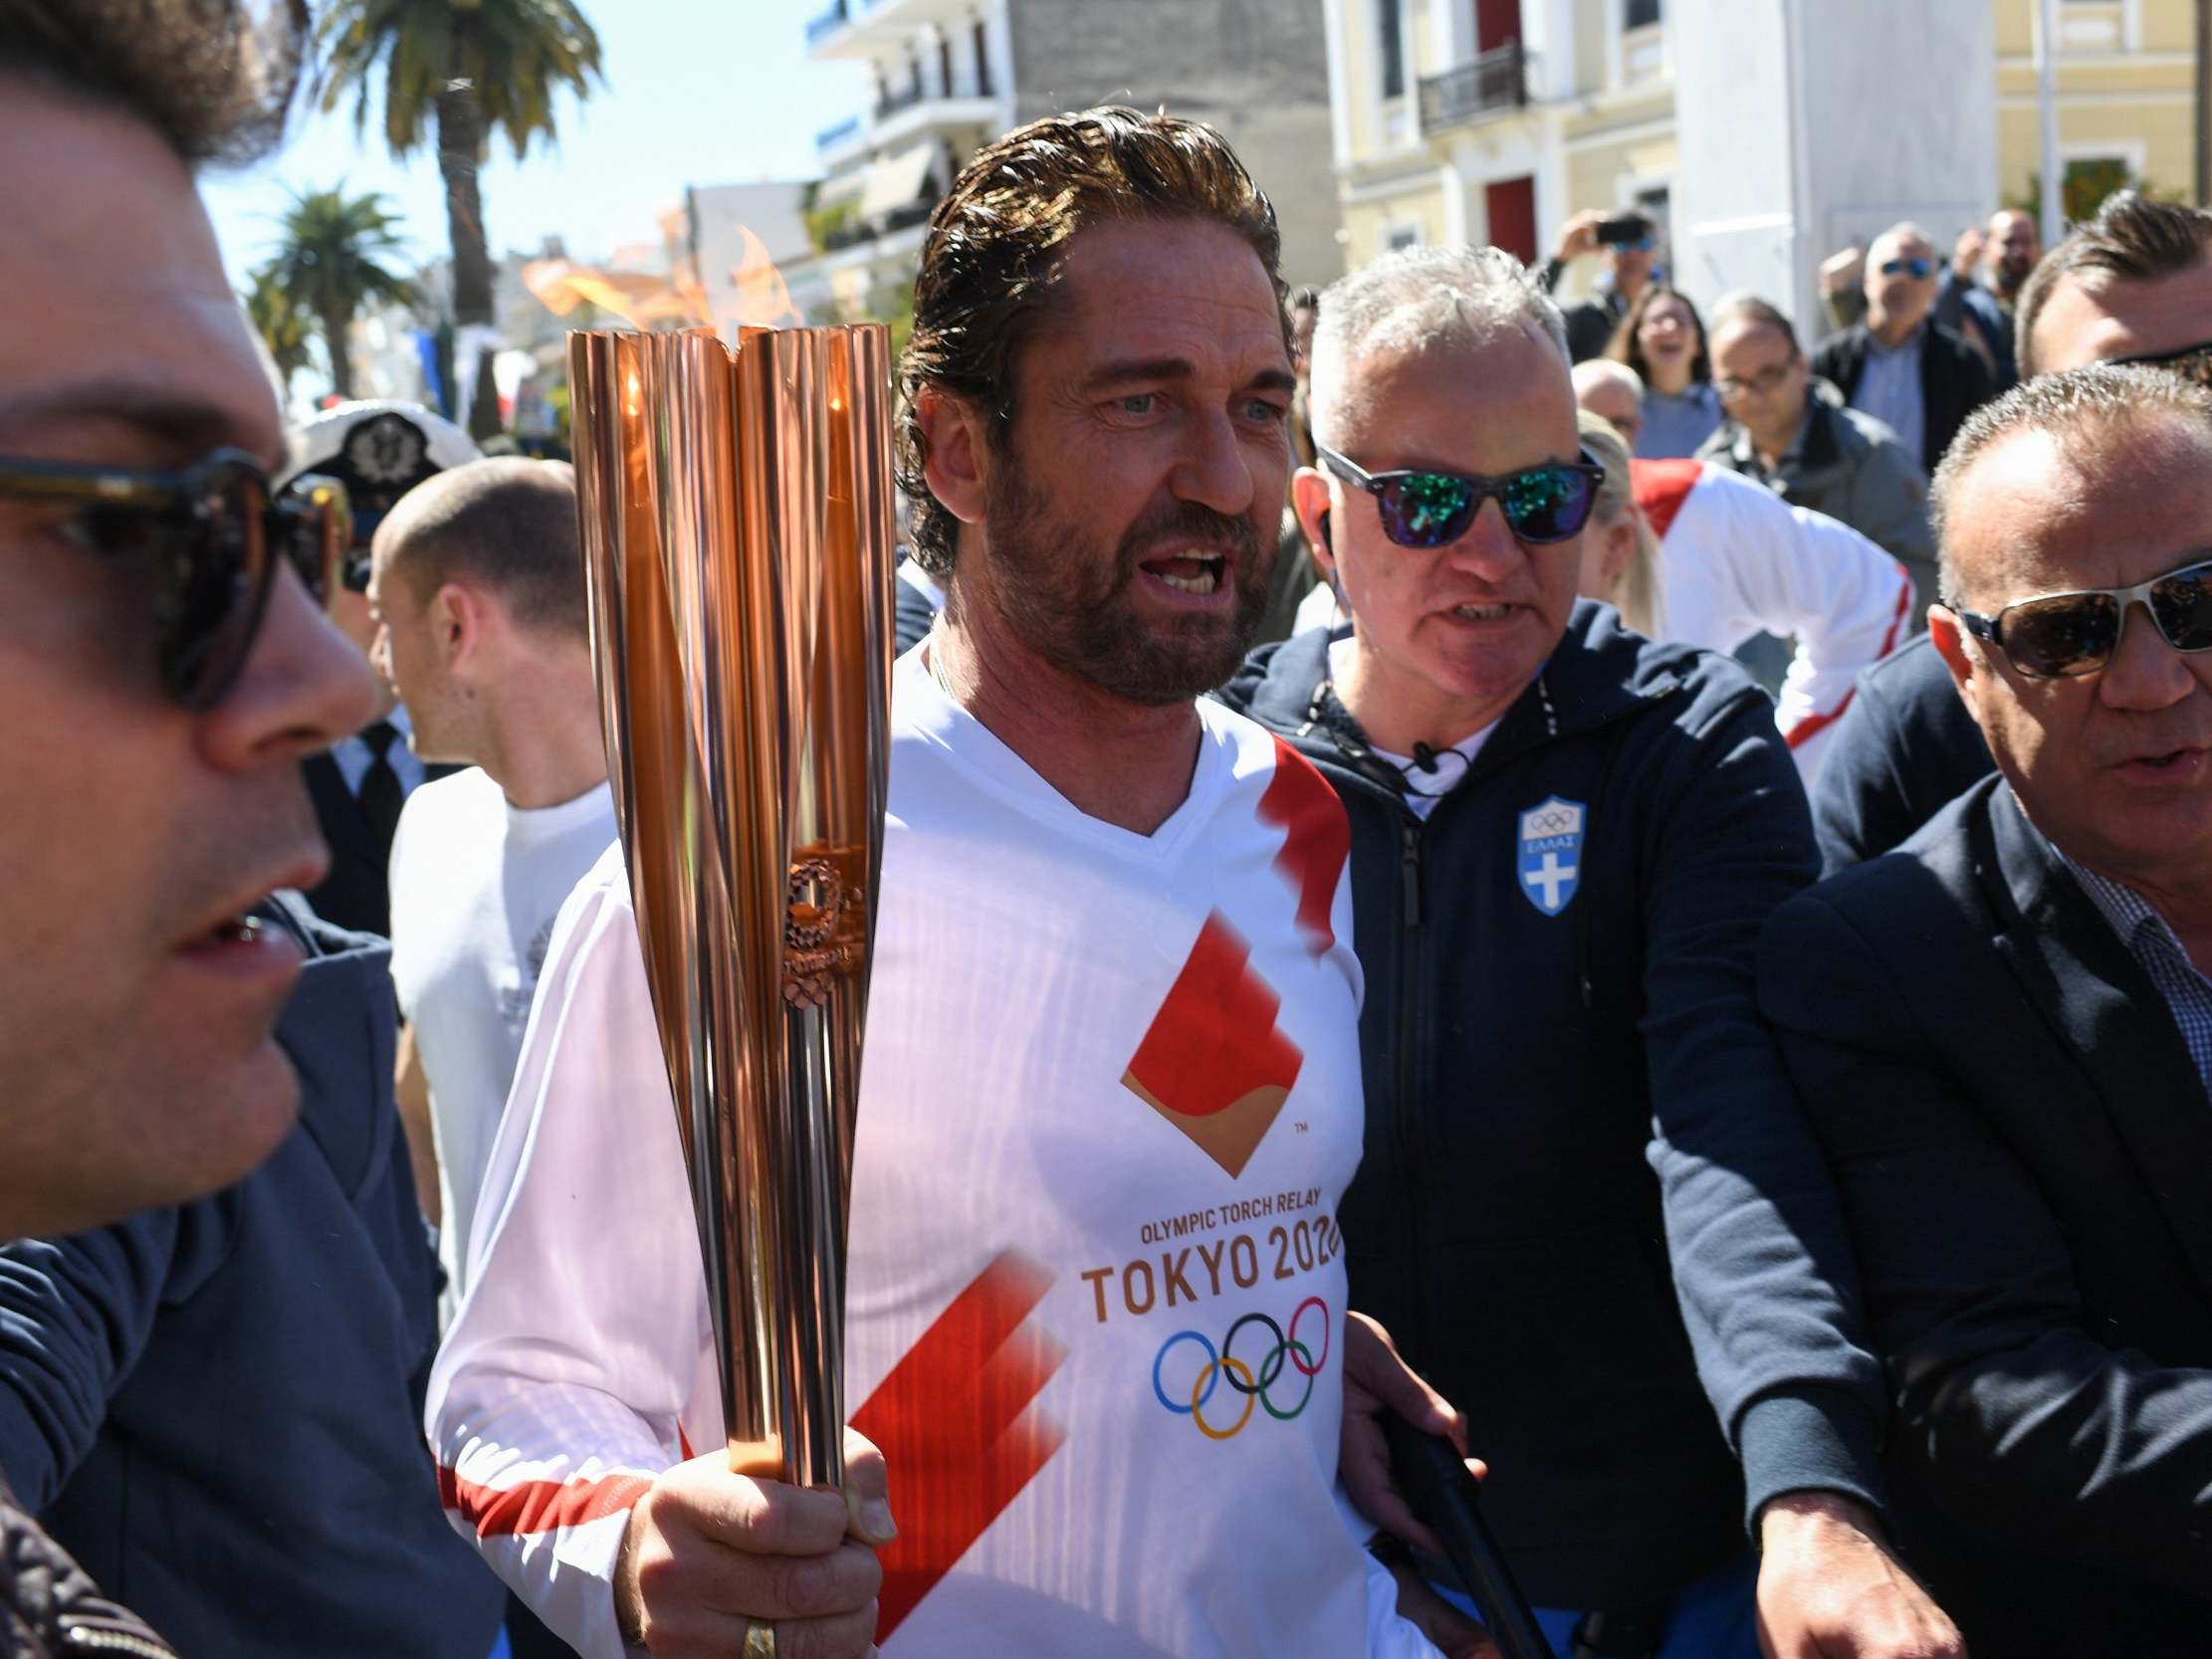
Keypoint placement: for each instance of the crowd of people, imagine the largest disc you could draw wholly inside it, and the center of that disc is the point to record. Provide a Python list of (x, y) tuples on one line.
[(1353, 941)]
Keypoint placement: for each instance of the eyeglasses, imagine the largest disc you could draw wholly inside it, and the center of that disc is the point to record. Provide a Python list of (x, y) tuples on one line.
[(1550, 503), (2061, 636), (1918, 265), (207, 540), (1638, 245), (2192, 362), (1766, 380)]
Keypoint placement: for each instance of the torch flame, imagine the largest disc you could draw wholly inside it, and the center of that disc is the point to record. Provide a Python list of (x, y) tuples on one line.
[(764, 300), (638, 299)]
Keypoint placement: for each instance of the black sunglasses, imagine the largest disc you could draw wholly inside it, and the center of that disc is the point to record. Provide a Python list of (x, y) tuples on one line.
[(2061, 636), (210, 538), (2192, 362), (1919, 266), (1549, 503)]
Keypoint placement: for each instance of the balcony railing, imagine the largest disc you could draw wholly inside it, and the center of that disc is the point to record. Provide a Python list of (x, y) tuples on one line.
[(1491, 85), (914, 213), (906, 98), (829, 137), (827, 22), (857, 231)]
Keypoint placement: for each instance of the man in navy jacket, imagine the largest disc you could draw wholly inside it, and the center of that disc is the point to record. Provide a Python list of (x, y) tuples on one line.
[(214, 1405), (159, 698), (1589, 1207), (2002, 1034), (2134, 283)]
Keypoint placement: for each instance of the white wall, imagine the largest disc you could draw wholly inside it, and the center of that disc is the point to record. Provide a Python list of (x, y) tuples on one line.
[(1805, 125)]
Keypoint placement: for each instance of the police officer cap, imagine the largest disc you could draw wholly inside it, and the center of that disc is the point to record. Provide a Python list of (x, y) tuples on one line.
[(379, 449)]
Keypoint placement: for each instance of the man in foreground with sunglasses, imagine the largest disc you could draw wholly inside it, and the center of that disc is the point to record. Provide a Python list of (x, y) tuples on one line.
[(164, 660), (1900, 365), (2003, 1033), (1589, 1210), (2131, 286)]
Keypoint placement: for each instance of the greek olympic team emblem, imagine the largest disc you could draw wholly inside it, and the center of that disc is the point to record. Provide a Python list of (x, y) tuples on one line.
[(1549, 854), (1259, 1374)]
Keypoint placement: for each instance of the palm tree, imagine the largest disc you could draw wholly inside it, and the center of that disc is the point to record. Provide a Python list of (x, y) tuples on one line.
[(475, 68), (281, 322), (330, 265)]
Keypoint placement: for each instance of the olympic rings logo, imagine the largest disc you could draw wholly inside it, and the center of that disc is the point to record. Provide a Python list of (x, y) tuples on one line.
[(1554, 822), (1256, 1387)]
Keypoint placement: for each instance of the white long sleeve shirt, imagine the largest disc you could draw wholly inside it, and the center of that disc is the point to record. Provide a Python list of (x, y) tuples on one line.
[(1736, 560), (1095, 1310)]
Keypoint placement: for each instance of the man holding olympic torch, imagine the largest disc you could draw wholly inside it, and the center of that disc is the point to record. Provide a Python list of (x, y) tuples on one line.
[(1095, 1307)]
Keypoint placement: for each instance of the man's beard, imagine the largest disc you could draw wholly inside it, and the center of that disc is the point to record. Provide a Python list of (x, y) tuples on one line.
[(1067, 598)]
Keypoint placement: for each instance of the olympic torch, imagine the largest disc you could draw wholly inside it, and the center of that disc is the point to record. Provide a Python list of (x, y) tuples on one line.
[(736, 511)]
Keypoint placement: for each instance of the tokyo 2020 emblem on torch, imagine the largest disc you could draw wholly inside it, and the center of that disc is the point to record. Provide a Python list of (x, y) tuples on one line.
[(737, 520)]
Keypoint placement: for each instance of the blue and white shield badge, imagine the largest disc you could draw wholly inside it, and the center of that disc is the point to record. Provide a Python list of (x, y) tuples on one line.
[(1551, 853)]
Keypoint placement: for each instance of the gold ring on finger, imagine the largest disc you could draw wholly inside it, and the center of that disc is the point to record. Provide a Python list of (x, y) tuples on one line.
[(759, 1640)]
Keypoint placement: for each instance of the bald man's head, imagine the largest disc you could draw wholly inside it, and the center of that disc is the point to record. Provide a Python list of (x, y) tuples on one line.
[(1613, 392), (505, 526)]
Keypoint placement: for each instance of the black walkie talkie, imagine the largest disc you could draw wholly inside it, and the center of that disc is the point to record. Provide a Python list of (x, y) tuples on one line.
[(1439, 1490)]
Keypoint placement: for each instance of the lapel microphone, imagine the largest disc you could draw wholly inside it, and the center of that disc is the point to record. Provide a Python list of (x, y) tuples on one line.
[(1425, 757)]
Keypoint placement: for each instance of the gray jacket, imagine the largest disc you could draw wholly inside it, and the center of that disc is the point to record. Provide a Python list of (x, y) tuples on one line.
[(1851, 467)]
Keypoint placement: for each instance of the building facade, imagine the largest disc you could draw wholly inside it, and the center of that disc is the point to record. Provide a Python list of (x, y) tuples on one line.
[(952, 75), (1494, 121)]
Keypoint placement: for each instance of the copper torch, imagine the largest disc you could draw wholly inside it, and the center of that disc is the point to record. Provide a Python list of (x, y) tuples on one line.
[(736, 510)]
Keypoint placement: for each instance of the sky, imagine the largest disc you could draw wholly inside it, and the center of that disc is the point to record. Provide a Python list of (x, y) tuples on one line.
[(697, 91)]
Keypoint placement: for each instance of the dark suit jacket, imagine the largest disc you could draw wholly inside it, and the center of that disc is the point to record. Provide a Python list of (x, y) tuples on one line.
[(2024, 1150), (1954, 380), (356, 893), (1904, 749)]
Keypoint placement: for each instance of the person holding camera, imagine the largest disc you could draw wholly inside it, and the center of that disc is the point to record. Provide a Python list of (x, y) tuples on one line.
[(1627, 244)]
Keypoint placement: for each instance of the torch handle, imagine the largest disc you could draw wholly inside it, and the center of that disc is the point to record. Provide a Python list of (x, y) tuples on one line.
[(1439, 1490)]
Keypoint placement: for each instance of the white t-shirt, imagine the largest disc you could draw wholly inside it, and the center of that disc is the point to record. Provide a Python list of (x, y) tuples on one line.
[(1096, 1313), (1735, 559), (475, 885), (1448, 768)]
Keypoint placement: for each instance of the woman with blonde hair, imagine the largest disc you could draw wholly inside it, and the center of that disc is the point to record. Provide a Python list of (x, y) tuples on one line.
[(1620, 554)]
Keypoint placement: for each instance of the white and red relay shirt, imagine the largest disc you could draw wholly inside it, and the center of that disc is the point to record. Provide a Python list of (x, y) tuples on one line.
[(1736, 560), (1095, 1310)]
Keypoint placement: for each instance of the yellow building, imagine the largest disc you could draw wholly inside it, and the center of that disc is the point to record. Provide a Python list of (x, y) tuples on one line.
[(1494, 120)]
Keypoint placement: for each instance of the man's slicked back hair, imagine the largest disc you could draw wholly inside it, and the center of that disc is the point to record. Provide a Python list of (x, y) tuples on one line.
[(1420, 300), (2089, 409), (502, 523), (213, 78), (997, 244), (2133, 239)]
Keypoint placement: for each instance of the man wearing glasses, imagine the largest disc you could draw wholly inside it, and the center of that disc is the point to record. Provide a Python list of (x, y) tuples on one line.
[(1900, 365), (2003, 1033), (1589, 1209), (164, 660), (2133, 285), (1795, 433)]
